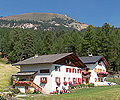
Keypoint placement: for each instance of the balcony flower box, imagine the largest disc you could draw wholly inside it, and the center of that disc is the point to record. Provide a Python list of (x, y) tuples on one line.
[(102, 73), (58, 83), (100, 64), (65, 83), (70, 83), (21, 82)]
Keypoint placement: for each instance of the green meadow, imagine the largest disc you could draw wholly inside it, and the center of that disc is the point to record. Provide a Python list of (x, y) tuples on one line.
[(6, 71), (96, 93)]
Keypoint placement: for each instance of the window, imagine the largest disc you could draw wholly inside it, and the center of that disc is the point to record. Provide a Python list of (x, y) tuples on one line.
[(64, 78), (70, 70), (44, 70), (73, 70), (74, 79), (69, 79), (95, 79), (43, 79), (100, 70), (103, 70), (67, 69), (79, 79), (101, 79), (95, 70), (57, 68), (57, 79), (98, 79)]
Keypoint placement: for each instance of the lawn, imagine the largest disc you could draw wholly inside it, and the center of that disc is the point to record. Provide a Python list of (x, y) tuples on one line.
[(6, 70), (96, 93)]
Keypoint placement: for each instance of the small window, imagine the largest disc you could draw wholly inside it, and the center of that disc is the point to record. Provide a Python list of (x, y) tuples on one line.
[(44, 71), (57, 68), (95, 70), (64, 78), (101, 79), (69, 79)]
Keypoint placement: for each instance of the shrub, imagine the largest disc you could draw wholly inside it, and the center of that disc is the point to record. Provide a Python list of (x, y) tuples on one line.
[(82, 85), (36, 92), (15, 90)]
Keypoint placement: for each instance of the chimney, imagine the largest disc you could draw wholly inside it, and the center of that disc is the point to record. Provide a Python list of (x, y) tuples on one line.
[(90, 55)]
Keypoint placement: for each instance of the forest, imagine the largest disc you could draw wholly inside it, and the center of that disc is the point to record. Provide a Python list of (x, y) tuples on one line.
[(17, 44)]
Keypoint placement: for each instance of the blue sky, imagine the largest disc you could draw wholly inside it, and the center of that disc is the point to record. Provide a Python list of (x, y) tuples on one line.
[(94, 12)]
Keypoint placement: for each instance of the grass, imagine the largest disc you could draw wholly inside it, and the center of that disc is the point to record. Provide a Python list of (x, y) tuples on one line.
[(97, 93), (6, 71), (115, 80)]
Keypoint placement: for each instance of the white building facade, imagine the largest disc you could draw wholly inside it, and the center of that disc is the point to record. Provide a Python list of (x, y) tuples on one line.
[(95, 71), (62, 71)]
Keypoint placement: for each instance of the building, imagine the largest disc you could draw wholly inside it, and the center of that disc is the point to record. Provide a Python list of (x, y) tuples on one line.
[(45, 73), (96, 70)]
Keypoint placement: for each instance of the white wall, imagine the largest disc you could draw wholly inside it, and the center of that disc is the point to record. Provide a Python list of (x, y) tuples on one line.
[(51, 85), (94, 74), (63, 74)]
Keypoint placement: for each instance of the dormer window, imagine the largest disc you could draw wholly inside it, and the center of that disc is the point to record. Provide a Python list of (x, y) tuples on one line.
[(67, 61)]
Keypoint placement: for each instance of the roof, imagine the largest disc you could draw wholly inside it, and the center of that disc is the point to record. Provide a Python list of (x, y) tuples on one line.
[(89, 59), (94, 59), (45, 59), (29, 73)]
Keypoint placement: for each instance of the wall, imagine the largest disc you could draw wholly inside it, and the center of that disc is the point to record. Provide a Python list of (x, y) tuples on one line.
[(94, 74), (62, 73), (51, 85), (45, 87)]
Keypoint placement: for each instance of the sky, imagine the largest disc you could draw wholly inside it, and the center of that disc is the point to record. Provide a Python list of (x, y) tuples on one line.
[(90, 12)]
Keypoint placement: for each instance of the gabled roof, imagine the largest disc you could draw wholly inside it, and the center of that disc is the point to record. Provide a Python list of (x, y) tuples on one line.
[(89, 59), (46, 59), (94, 59)]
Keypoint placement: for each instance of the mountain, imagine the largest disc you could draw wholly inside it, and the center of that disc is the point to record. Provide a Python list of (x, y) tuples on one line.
[(42, 21)]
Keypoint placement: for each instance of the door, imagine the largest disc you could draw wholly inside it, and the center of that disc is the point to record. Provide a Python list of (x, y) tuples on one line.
[(26, 89), (87, 80)]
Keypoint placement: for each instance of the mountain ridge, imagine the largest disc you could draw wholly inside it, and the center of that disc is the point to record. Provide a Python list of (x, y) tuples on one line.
[(54, 21)]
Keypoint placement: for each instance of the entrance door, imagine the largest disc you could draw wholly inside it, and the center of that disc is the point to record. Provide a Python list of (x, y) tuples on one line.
[(26, 89), (87, 80)]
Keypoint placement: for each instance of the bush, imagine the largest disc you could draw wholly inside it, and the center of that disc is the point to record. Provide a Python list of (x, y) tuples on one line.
[(15, 90), (90, 84), (82, 85), (36, 92)]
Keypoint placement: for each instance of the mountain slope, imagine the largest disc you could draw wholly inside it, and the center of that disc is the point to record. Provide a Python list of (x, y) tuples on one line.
[(43, 21)]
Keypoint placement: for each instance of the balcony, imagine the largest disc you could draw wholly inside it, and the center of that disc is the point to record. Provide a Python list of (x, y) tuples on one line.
[(102, 74)]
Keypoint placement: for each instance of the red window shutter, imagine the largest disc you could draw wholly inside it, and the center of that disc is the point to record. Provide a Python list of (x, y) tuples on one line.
[(46, 79), (55, 79), (80, 71), (41, 79), (59, 68), (55, 68), (66, 69), (73, 79), (70, 70), (75, 70), (76, 79), (59, 79)]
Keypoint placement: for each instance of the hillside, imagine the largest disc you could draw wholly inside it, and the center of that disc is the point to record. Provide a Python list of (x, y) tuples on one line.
[(43, 21), (6, 70)]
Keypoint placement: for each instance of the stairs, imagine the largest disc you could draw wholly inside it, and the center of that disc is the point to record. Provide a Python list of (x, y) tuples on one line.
[(36, 87)]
